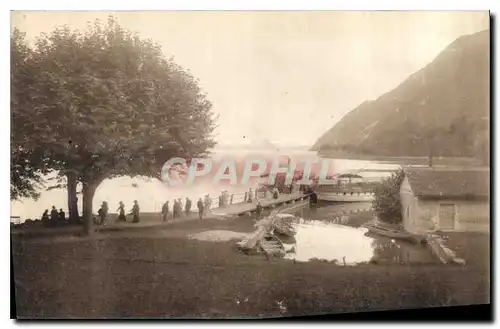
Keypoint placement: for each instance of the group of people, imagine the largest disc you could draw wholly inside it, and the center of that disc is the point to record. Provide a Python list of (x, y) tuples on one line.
[(55, 216), (250, 196), (104, 210), (177, 209)]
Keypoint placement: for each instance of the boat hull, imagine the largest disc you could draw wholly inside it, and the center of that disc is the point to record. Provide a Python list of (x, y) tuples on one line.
[(390, 233), (345, 197)]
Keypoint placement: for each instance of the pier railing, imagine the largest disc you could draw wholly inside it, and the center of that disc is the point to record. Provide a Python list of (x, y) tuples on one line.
[(240, 198)]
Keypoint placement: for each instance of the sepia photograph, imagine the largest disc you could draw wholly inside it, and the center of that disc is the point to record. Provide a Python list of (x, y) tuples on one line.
[(249, 164)]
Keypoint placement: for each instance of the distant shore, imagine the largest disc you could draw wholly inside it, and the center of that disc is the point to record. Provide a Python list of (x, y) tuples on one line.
[(403, 160)]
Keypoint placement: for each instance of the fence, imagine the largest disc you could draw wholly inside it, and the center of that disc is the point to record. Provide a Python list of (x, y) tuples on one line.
[(238, 198), (231, 199)]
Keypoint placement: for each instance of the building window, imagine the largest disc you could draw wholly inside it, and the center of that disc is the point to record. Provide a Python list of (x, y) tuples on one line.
[(447, 215)]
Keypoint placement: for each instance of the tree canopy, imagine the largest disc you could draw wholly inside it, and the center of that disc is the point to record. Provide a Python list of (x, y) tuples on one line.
[(105, 102)]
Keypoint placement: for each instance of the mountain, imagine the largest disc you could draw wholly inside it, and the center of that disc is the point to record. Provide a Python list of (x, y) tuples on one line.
[(441, 109)]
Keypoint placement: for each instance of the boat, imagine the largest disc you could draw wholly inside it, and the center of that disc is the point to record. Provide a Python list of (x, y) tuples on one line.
[(250, 244), (283, 228), (395, 234), (272, 246), (288, 218), (349, 188)]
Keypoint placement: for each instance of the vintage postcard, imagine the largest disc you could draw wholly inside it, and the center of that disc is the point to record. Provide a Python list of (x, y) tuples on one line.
[(248, 164)]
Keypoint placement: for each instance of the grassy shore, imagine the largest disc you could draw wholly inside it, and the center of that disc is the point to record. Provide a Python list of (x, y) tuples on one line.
[(160, 273)]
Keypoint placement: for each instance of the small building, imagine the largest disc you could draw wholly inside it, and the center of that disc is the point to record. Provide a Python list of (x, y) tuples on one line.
[(445, 199)]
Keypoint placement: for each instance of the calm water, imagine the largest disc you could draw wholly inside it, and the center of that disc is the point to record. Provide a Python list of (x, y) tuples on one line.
[(335, 233)]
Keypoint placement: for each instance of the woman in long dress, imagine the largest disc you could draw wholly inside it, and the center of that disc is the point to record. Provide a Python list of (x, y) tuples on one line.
[(135, 212), (121, 212)]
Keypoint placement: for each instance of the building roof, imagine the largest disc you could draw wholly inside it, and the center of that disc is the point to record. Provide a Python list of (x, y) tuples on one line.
[(448, 182)]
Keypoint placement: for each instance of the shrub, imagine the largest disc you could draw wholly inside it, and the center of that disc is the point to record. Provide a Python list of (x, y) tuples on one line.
[(387, 203)]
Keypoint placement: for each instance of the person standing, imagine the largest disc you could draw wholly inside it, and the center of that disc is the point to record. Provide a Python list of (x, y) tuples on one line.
[(174, 210), (181, 206), (188, 207), (121, 212), (135, 212), (164, 212), (103, 212), (207, 205), (62, 216), (200, 208), (45, 215), (53, 215)]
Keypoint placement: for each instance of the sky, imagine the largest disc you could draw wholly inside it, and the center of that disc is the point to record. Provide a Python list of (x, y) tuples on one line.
[(285, 77)]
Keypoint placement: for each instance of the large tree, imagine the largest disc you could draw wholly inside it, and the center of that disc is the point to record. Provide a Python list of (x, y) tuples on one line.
[(115, 106)]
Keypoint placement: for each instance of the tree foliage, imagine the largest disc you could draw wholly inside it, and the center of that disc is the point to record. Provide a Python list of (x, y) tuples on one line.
[(387, 203), (27, 160), (108, 103)]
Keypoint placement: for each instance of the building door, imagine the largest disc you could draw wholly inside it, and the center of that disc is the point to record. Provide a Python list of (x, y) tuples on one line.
[(446, 216)]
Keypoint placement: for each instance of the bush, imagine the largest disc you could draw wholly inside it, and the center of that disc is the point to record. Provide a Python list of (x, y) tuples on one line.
[(387, 203)]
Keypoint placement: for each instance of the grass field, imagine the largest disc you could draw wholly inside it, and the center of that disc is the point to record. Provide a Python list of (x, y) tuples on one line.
[(160, 273), (473, 247)]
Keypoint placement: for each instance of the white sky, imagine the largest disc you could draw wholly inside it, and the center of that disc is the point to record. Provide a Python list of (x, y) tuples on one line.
[(286, 77)]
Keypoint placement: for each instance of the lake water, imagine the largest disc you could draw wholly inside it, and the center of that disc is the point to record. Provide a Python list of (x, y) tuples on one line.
[(333, 233), (152, 193)]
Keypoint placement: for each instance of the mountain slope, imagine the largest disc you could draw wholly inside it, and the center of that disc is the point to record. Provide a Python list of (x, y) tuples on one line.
[(443, 108)]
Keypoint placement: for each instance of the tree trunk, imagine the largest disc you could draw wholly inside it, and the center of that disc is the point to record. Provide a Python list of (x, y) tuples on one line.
[(72, 199), (88, 196)]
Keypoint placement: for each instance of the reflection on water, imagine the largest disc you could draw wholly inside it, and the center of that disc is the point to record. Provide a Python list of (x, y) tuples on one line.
[(325, 235), (317, 239)]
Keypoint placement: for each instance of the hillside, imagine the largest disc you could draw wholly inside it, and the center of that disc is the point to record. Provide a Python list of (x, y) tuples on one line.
[(443, 108)]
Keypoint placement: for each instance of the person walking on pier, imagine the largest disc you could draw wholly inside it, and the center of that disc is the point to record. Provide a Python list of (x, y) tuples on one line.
[(164, 212), (258, 210), (250, 195), (276, 193), (188, 207), (121, 212), (135, 212), (200, 208)]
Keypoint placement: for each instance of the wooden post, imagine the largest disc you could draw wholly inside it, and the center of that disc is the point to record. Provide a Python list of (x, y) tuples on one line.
[(245, 199), (232, 197)]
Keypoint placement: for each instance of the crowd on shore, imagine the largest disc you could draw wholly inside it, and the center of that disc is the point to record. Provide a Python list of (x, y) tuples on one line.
[(177, 210)]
